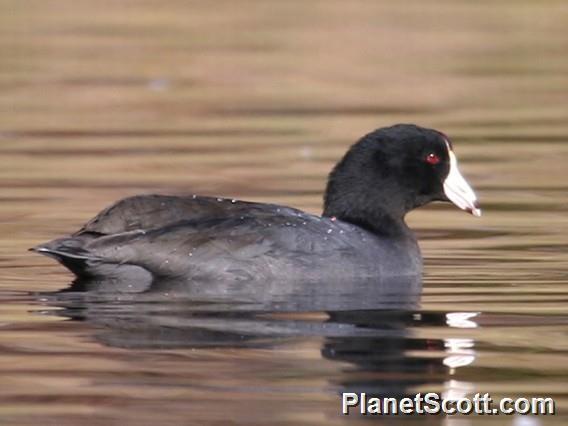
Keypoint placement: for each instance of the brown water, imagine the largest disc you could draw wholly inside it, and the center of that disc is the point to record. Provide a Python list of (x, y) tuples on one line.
[(256, 100)]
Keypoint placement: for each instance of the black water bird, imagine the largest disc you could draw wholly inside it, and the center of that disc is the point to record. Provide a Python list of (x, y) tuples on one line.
[(256, 247)]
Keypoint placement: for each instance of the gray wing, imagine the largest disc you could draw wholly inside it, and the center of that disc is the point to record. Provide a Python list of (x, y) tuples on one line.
[(243, 248), (117, 235), (156, 211)]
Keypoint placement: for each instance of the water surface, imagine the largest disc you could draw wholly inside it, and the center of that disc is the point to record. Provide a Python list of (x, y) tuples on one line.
[(257, 100)]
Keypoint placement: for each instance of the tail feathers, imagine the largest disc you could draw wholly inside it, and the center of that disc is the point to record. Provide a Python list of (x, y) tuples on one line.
[(63, 252), (98, 272), (70, 253)]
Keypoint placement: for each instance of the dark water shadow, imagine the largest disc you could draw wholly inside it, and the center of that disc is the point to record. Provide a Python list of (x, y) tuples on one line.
[(366, 326)]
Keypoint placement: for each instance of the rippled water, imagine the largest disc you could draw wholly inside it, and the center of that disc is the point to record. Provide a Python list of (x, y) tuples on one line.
[(256, 100)]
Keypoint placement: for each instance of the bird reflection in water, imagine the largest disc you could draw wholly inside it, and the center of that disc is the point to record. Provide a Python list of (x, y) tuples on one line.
[(371, 327)]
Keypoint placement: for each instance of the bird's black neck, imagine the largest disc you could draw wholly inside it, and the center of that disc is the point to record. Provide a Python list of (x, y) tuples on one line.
[(378, 221)]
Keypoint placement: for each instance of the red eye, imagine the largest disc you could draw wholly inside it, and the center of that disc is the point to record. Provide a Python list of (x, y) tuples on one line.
[(432, 159)]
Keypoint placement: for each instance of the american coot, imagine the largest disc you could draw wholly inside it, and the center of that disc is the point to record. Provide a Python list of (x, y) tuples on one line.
[(361, 234)]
